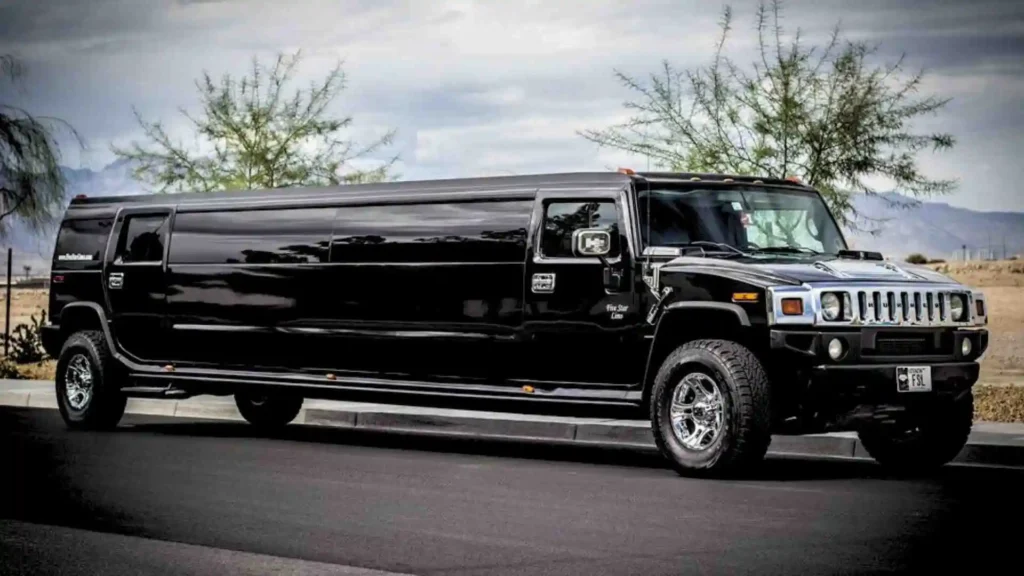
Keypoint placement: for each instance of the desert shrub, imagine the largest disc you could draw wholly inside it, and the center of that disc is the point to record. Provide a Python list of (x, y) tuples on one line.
[(917, 259), (9, 370), (25, 342), (937, 261)]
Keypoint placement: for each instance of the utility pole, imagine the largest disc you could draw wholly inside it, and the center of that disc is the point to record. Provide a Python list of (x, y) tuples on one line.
[(7, 324)]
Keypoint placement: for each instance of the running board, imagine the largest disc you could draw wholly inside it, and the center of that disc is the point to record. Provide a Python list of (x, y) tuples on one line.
[(193, 381), (155, 392)]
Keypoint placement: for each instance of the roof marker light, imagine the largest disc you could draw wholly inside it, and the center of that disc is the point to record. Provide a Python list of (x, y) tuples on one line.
[(727, 180), (695, 179), (758, 182), (626, 171)]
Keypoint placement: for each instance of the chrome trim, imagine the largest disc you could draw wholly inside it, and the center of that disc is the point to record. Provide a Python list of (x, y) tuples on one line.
[(899, 305)]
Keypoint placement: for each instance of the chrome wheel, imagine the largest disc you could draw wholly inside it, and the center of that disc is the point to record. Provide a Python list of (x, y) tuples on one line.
[(697, 411), (78, 382)]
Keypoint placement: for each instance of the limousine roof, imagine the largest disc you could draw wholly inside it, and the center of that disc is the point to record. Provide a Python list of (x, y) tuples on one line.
[(411, 190)]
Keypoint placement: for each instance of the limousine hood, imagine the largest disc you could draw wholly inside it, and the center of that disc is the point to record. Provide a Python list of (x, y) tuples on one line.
[(810, 271)]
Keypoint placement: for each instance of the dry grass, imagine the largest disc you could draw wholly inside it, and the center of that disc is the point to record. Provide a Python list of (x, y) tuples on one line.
[(999, 403), (24, 303)]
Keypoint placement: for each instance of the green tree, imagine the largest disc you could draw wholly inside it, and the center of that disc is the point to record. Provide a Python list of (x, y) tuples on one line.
[(825, 115), (256, 135), (31, 180)]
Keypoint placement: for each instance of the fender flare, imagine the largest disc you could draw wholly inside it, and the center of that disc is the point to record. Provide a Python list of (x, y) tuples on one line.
[(735, 309), (101, 315)]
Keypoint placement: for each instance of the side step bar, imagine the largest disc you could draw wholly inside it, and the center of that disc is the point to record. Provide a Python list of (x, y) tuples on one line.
[(156, 392)]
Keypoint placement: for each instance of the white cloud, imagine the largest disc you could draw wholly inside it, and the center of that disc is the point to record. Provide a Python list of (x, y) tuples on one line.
[(479, 86)]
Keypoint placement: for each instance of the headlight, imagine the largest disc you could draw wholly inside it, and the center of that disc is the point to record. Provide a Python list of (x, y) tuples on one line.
[(957, 307), (830, 306)]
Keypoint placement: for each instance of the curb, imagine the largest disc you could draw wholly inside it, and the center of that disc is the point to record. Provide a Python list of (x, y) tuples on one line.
[(627, 434)]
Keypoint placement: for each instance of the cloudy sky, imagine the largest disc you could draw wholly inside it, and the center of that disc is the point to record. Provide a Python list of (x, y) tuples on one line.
[(480, 87)]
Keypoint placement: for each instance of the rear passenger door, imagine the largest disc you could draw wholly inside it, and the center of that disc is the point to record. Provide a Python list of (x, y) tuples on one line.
[(134, 281), (580, 311), (429, 290)]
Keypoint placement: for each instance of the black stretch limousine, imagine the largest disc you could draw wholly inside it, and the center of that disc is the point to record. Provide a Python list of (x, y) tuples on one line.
[(727, 308)]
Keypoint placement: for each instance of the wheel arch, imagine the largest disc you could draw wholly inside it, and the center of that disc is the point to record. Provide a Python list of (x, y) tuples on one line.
[(78, 316), (682, 322)]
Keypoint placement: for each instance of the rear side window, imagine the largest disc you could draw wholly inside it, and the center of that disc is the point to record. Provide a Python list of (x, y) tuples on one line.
[(456, 232), (80, 243), (280, 236), (561, 219), (142, 239)]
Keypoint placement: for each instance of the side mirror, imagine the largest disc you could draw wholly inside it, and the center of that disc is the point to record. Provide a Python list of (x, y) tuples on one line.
[(591, 242)]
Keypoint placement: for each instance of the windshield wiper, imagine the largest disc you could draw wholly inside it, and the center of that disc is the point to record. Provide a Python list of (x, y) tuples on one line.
[(787, 250), (731, 250)]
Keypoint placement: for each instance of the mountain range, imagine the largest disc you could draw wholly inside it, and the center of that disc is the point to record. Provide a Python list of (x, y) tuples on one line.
[(934, 229)]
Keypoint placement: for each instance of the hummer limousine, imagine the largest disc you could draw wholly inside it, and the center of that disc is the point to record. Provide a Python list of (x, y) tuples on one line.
[(723, 308)]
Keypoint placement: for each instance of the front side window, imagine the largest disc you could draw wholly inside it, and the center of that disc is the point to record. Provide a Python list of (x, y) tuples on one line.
[(561, 219), (142, 239), (745, 218)]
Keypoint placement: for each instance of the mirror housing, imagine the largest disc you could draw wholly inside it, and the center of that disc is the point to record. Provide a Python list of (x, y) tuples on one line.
[(591, 242)]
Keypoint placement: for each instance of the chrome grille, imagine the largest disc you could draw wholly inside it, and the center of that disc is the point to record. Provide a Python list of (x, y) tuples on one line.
[(902, 306)]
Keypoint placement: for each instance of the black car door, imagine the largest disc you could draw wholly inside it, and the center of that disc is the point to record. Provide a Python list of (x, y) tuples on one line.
[(134, 278), (581, 311)]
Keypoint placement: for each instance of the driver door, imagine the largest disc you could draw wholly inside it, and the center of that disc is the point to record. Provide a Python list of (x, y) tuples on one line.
[(581, 311)]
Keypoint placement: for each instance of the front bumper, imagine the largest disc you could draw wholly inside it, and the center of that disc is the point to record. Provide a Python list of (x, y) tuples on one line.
[(868, 345), (861, 386)]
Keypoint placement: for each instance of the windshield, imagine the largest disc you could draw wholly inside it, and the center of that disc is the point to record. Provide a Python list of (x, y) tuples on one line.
[(748, 219)]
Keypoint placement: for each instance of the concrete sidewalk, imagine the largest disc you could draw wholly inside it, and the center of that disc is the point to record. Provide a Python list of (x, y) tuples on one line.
[(990, 443)]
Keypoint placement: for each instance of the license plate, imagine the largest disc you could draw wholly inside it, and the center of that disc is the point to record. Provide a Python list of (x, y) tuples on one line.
[(914, 378)]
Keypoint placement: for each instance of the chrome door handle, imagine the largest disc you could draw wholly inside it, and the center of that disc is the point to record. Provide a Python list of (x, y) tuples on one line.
[(115, 280)]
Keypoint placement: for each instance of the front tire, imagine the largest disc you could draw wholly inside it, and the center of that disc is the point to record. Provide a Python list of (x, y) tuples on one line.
[(268, 410), (88, 383), (933, 440), (710, 408)]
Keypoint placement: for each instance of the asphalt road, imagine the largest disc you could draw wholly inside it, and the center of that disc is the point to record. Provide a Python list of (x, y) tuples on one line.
[(162, 496)]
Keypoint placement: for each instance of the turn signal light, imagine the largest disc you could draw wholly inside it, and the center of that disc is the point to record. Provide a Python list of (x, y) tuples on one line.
[(744, 297), (792, 306)]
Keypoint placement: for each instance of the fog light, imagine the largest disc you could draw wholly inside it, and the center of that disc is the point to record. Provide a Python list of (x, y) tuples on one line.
[(835, 348), (966, 347)]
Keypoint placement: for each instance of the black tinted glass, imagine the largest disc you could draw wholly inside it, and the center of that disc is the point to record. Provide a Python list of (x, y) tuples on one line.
[(291, 236), (451, 232), (561, 219), (142, 239), (82, 241)]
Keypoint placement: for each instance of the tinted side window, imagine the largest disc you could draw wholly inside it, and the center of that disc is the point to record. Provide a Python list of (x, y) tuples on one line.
[(290, 236), (142, 239), (482, 231), (561, 219), (81, 242)]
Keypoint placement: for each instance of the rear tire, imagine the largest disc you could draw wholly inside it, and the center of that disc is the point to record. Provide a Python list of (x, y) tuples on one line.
[(88, 382), (710, 409), (268, 410), (935, 439)]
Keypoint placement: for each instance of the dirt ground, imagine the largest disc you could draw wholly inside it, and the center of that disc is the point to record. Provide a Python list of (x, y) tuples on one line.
[(1003, 286), (1002, 283)]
